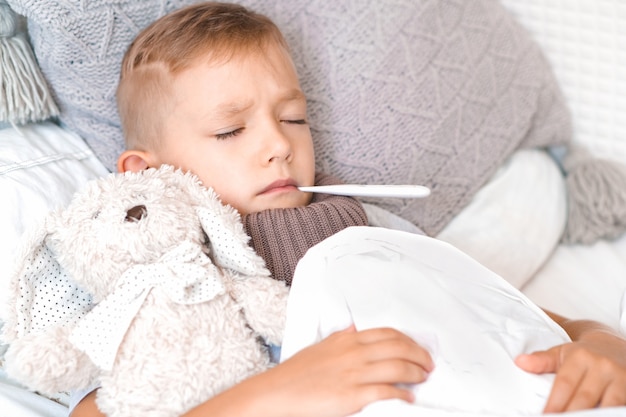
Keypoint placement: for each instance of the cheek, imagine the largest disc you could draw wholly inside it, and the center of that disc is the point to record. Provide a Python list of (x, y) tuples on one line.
[(234, 200), (306, 156), (228, 184), (201, 162), (177, 156)]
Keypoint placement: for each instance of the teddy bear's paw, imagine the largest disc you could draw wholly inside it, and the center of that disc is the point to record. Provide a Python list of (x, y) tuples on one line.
[(264, 302), (47, 362), (116, 403)]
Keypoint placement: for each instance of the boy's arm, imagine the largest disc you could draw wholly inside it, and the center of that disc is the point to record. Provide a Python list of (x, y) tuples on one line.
[(87, 407), (590, 371), (335, 377)]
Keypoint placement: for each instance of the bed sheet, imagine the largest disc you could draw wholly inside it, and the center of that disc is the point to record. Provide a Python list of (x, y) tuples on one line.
[(18, 402), (584, 282), (399, 409)]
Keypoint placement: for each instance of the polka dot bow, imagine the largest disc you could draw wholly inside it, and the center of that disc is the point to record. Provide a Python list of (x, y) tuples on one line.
[(186, 274)]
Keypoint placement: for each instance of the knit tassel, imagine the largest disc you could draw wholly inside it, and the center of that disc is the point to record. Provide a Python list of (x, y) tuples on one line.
[(596, 197), (24, 94)]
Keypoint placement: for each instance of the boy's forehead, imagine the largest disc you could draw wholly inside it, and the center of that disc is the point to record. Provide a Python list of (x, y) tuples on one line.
[(228, 107), (220, 89)]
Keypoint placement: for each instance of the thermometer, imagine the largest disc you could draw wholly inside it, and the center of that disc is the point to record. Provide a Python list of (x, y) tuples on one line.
[(362, 190)]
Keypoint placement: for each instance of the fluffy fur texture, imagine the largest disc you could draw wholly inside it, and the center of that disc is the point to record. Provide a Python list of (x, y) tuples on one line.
[(177, 351)]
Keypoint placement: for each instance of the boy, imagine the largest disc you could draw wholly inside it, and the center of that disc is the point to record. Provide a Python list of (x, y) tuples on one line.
[(212, 89)]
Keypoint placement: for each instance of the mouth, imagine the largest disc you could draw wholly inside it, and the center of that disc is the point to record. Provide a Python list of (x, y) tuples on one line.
[(280, 186)]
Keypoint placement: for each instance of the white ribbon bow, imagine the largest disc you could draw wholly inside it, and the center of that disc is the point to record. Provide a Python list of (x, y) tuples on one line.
[(185, 273)]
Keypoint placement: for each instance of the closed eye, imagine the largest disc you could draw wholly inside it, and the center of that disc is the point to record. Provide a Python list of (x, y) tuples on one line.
[(228, 135), (295, 122)]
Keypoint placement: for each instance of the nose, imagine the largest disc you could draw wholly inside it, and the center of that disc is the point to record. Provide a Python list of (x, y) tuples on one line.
[(136, 213), (278, 146)]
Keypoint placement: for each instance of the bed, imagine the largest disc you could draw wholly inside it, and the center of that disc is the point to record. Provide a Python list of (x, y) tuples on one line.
[(478, 100)]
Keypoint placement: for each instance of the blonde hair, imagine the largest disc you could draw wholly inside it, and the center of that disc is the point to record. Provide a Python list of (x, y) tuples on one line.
[(176, 41)]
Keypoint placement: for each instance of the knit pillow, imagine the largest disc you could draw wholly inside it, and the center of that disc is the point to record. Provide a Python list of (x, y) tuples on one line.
[(433, 92)]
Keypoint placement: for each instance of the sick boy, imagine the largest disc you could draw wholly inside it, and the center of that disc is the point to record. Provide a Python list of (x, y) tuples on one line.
[(212, 89)]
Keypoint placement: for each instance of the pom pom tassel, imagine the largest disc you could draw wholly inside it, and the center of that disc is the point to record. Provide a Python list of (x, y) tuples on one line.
[(596, 198), (24, 94)]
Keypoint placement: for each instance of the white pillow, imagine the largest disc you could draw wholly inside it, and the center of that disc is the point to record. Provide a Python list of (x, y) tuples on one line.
[(516, 220), (41, 166)]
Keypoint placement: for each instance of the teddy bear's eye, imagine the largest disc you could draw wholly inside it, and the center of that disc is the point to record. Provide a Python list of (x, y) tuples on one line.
[(95, 215), (136, 213)]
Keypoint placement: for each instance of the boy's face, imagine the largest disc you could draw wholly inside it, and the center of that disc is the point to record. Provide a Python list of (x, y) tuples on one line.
[(241, 127)]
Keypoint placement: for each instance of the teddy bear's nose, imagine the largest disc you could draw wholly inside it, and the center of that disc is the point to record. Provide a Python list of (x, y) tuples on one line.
[(136, 213)]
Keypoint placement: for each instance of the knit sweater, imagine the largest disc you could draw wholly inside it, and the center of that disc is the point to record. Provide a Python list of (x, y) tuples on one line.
[(282, 236)]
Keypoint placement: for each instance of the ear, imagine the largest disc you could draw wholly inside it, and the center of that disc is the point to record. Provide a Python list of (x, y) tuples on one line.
[(228, 241), (40, 293), (133, 161)]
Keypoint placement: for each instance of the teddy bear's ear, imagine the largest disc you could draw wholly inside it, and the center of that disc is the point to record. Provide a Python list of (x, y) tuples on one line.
[(221, 223), (40, 293), (228, 241)]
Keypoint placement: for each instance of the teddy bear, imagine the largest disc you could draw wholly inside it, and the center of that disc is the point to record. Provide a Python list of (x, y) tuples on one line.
[(144, 285)]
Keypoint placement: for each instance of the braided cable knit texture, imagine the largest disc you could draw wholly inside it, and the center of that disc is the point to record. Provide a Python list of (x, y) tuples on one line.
[(432, 92)]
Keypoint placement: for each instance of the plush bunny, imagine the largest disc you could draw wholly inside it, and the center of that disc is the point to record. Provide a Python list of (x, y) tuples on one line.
[(146, 285)]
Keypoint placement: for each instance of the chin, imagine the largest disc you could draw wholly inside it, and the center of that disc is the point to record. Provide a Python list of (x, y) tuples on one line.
[(290, 201)]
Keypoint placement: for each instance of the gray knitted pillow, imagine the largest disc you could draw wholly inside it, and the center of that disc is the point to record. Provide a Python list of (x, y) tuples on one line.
[(433, 92)]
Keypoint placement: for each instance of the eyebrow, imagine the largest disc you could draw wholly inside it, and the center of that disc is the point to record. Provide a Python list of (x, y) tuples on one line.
[(294, 94), (229, 109)]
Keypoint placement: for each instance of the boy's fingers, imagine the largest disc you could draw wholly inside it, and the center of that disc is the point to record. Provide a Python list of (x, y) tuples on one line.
[(410, 353), (540, 362), (588, 394), (378, 392), (349, 329), (567, 384), (381, 333), (393, 372), (389, 344), (597, 385), (614, 396)]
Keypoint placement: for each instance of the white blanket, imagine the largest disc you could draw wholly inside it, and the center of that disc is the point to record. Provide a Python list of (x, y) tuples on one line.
[(471, 320), (15, 401)]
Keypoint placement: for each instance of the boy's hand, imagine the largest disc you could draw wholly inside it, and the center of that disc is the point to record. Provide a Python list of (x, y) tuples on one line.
[(348, 370), (590, 371)]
